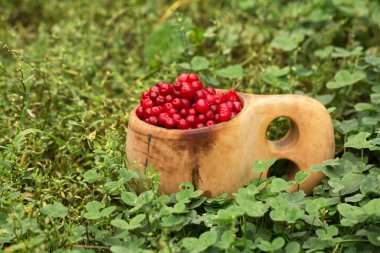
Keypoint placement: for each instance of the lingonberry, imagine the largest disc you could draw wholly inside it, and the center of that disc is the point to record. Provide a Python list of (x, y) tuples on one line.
[(169, 98), (172, 111), (192, 77), (210, 99), (177, 103), (162, 118), (140, 112), (156, 110), (197, 85), (153, 120), (200, 125), (145, 94), (184, 112), (147, 103), (238, 106), (186, 103), (214, 108), (191, 111), (192, 120), (231, 95), (176, 117), (210, 123), (165, 89), (177, 86), (153, 96), (166, 107), (210, 90), (187, 91), (147, 112), (210, 114), (199, 94), (224, 113), (170, 123), (154, 89), (183, 77), (216, 118), (201, 106), (202, 118), (160, 100), (218, 99), (183, 124)]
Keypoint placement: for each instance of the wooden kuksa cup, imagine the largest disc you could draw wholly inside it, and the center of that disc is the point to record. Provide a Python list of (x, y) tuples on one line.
[(219, 158)]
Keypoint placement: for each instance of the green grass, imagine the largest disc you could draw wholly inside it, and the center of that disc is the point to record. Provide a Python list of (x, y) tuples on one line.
[(71, 71)]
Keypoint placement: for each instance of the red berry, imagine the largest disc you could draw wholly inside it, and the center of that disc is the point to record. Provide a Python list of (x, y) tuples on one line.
[(230, 105), (154, 89), (147, 112), (172, 111), (147, 103), (216, 118), (140, 112), (199, 94), (147, 120), (170, 123), (211, 90), (218, 98), (233, 114), (176, 93), (165, 89), (224, 113), (202, 118), (162, 118), (160, 100), (197, 85), (176, 117), (214, 108), (186, 103), (145, 94), (177, 103), (153, 96), (192, 77), (169, 98), (192, 120), (177, 86), (210, 98), (187, 91), (153, 120), (238, 106), (191, 111), (183, 124), (183, 77), (202, 106), (156, 110), (200, 125), (210, 114), (210, 123), (184, 112), (231, 96), (166, 107)]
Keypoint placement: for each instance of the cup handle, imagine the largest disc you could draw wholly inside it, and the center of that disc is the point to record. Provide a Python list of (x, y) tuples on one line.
[(309, 141)]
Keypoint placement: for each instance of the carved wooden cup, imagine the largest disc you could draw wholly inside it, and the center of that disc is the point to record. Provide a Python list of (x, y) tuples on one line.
[(219, 158)]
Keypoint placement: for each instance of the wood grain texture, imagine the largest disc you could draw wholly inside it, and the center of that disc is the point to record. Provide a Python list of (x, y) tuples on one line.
[(218, 159)]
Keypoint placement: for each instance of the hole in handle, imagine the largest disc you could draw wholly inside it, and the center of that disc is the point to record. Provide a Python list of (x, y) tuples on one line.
[(282, 133), (283, 168), (278, 128)]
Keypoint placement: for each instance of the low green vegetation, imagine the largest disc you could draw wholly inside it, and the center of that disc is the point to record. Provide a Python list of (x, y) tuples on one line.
[(71, 71)]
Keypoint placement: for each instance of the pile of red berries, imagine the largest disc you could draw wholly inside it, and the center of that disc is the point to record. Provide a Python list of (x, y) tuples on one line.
[(187, 104)]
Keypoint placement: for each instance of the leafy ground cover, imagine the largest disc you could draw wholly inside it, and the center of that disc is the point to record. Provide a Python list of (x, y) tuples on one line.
[(70, 72)]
